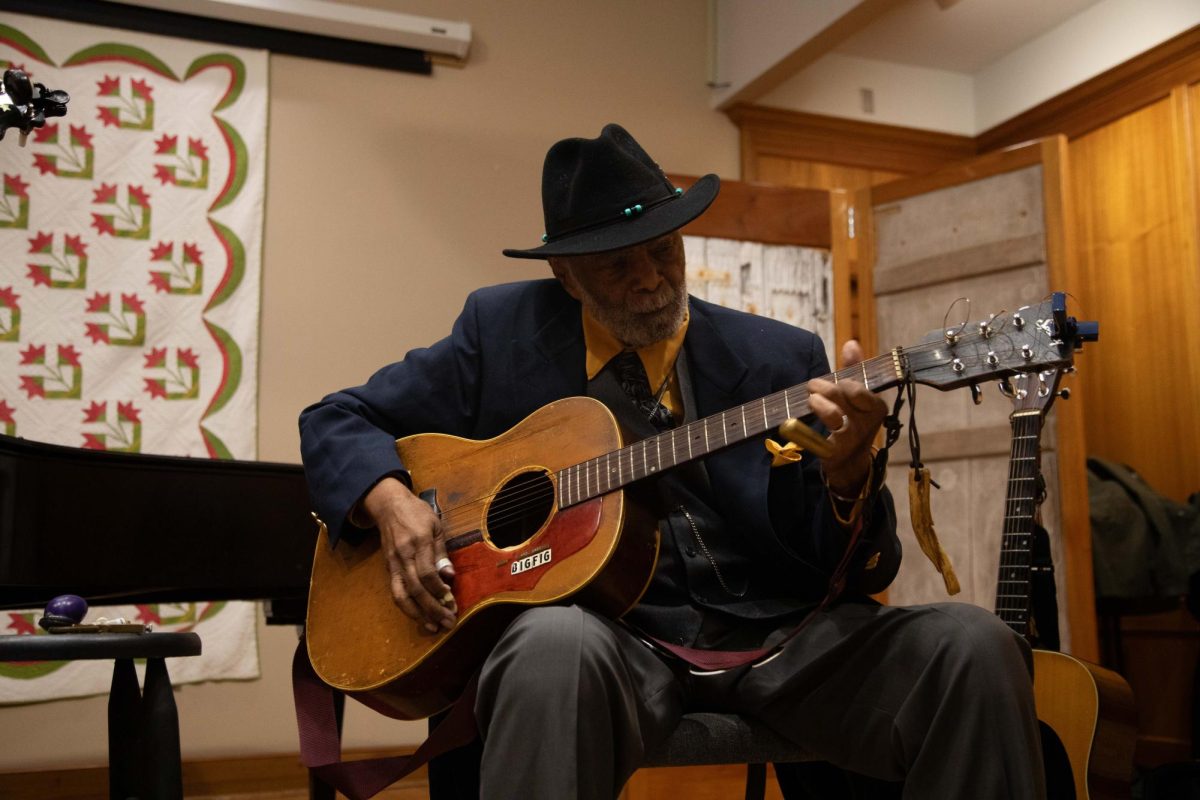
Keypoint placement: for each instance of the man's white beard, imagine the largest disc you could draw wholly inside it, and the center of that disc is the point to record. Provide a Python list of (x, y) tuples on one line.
[(651, 318)]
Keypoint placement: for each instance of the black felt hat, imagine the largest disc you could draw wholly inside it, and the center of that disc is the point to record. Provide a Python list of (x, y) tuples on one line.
[(606, 193)]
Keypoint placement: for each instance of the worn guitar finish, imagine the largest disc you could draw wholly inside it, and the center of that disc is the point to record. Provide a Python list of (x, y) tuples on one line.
[(541, 513), (1088, 708), (359, 641)]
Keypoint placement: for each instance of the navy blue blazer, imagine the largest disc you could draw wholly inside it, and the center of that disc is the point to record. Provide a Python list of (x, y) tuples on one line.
[(518, 346)]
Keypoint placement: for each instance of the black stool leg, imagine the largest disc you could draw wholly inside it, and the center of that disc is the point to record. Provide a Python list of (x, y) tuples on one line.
[(162, 775), (124, 699), (756, 781)]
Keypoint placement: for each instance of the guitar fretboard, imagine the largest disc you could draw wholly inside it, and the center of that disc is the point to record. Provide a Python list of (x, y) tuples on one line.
[(1020, 509), (613, 470)]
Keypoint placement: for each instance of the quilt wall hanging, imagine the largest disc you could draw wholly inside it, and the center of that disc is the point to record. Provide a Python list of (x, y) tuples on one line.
[(130, 260)]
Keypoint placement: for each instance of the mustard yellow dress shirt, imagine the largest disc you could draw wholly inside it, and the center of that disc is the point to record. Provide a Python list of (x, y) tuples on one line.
[(658, 359)]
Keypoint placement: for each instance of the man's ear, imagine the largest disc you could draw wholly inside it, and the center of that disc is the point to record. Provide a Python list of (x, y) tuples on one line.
[(562, 271)]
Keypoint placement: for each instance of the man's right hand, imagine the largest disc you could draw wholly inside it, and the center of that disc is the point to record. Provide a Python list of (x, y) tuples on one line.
[(411, 538)]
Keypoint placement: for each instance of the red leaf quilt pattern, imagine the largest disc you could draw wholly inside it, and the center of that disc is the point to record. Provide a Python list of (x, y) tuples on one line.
[(130, 261)]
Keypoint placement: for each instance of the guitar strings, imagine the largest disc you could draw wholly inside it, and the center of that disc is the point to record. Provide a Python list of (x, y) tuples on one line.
[(521, 501), (524, 500)]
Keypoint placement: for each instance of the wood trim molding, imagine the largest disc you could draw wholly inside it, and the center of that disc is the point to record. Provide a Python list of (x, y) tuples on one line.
[(844, 254), (833, 140), (1138, 82), (862, 276), (1062, 273), (1009, 160), (220, 776)]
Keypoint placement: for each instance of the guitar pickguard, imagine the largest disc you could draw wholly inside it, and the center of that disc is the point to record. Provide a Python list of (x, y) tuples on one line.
[(483, 571)]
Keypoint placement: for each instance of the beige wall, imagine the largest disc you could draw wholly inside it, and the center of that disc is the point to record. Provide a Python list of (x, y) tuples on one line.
[(389, 197)]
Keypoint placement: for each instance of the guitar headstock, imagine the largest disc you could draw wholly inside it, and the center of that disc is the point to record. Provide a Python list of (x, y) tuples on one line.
[(1033, 391), (1031, 339)]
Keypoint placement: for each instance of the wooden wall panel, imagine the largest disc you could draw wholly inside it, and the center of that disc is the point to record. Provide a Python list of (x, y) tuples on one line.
[(1133, 187), (1158, 656), (817, 175)]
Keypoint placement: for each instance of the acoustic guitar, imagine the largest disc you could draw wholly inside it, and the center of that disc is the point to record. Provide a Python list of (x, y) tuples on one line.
[(540, 514), (1089, 721)]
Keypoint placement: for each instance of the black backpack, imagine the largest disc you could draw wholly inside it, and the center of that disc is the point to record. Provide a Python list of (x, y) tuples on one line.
[(1143, 544)]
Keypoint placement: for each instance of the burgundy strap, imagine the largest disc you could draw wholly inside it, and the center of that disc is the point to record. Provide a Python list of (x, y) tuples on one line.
[(320, 744)]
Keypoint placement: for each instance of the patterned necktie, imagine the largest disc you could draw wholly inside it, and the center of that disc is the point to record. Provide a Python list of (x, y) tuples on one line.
[(628, 370)]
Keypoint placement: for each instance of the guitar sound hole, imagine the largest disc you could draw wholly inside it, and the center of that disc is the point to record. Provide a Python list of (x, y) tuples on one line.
[(520, 508)]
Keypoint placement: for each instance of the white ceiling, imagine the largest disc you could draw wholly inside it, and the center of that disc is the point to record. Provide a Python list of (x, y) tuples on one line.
[(958, 66), (966, 37)]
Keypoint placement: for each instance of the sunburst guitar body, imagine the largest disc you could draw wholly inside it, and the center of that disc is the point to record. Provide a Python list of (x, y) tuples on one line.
[(511, 545)]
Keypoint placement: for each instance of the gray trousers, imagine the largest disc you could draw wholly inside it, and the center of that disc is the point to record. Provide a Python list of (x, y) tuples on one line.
[(938, 696)]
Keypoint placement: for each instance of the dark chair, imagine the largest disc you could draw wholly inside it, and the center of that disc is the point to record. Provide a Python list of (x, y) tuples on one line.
[(700, 739), (703, 739)]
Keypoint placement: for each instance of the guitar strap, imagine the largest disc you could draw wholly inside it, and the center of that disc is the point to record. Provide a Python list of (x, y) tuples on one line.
[(320, 740), (1045, 593)]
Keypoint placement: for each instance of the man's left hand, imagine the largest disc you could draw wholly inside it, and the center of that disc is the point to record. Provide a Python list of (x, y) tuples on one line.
[(854, 415)]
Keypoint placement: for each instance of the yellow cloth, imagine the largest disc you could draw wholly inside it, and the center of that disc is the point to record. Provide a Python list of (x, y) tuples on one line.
[(782, 454), (922, 522), (658, 358)]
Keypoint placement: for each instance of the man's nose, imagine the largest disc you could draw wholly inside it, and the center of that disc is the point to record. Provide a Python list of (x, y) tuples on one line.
[(644, 271)]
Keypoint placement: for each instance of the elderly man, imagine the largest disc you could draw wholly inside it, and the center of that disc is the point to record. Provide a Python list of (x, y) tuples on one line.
[(569, 701)]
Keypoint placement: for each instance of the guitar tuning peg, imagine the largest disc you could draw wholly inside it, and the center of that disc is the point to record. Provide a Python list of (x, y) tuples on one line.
[(976, 394), (1006, 387), (1065, 394)]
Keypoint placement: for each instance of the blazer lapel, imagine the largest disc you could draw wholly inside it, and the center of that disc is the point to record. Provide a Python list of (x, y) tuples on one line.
[(550, 365), (720, 378)]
